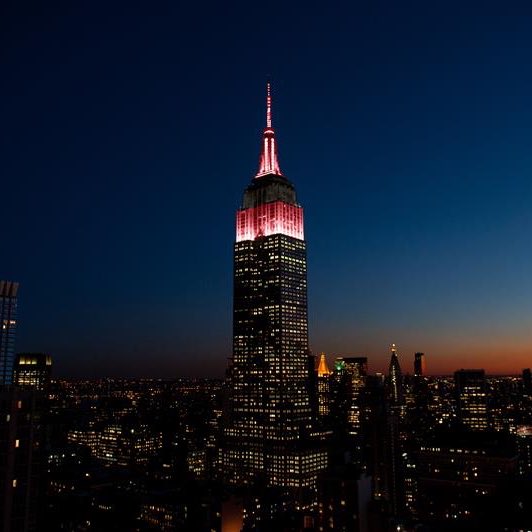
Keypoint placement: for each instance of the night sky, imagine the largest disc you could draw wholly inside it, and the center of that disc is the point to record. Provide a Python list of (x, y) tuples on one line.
[(129, 132)]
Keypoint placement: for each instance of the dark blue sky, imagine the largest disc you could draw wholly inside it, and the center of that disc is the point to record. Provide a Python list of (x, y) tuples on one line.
[(129, 131)]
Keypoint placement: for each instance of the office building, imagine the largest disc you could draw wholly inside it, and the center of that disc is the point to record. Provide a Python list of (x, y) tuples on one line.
[(8, 324), (20, 435), (471, 398), (419, 365), (395, 379), (33, 370), (323, 377), (460, 475), (395, 477)]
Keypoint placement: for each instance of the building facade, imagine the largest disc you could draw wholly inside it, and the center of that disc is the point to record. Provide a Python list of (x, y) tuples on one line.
[(33, 370), (323, 378), (8, 324), (471, 398), (419, 365)]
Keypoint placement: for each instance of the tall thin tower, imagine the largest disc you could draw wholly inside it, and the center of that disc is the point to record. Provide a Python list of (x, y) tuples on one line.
[(269, 419)]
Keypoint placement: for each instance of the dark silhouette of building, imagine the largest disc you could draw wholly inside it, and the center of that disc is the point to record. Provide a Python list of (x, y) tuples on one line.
[(419, 364), (524, 447), (460, 475), (20, 437), (395, 380), (527, 381), (471, 398), (33, 370), (395, 488), (8, 323), (267, 431), (344, 498)]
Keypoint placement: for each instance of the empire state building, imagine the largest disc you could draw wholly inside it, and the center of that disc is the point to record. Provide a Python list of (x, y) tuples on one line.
[(269, 424)]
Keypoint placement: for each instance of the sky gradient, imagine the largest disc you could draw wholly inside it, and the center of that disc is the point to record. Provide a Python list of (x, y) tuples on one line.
[(129, 133)]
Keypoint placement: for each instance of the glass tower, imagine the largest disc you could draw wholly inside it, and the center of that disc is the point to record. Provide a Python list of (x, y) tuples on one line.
[(8, 323), (267, 432)]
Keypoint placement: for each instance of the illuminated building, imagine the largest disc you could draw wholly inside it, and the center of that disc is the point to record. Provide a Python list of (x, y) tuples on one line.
[(8, 323), (395, 379), (524, 447), (357, 371), (419, 364), (323, 378), (395, 484), (270, 414), (33, 370), (471, 398), (123, 444)]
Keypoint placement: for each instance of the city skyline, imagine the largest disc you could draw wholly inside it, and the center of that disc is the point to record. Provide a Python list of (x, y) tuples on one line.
[(417, 213)]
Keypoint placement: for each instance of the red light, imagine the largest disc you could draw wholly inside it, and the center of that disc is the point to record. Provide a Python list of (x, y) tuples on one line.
[(268, 158), (273, 218)]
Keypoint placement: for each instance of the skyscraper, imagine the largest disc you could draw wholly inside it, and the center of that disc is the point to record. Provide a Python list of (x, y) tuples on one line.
[(33, 370), (395, 379), (419, 364), (323, 385), (471, 398), (20, 431), (269, 419), (8, 323), (394, 451), (352, 372)]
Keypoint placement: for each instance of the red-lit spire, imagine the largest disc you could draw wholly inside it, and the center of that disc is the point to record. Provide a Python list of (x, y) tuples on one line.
[(268, 157)]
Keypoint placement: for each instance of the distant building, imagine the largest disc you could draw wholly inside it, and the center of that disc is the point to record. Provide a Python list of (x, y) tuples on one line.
[(524, 447), (8, 324), (395, 483), (471, 398), (527, 381), (350, 375), (124, 443), (419, 364), (395, 379), (459, 474), (323, 384), (33, 370)]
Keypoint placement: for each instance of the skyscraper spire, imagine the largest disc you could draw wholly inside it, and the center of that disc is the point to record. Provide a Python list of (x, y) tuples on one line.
[(268, 106), (268, 157), (395, 378), (323, 368)]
